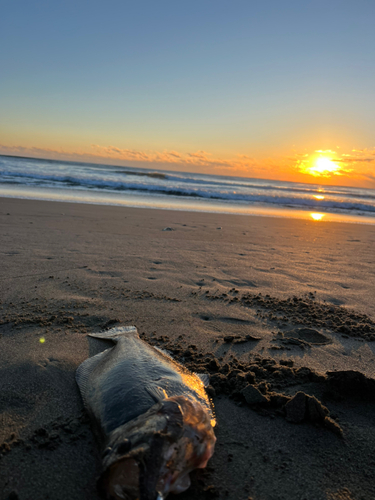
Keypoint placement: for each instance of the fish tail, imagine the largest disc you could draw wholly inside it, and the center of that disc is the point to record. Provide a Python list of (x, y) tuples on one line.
[(116, 333)]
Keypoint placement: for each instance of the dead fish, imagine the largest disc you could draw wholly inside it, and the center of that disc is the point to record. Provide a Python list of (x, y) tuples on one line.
[(152, 415)]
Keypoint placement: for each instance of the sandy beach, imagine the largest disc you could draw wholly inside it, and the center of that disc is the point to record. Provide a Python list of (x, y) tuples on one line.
[(279, 312)]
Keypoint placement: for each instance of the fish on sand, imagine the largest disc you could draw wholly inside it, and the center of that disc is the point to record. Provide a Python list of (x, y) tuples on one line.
[(152, 416)]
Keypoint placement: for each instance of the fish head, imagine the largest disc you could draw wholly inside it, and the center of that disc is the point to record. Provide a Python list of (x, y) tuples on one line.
[(152, 455)]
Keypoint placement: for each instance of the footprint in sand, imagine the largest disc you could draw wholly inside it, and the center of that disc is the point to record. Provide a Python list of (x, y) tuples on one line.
[(308, 335), (226, 319)]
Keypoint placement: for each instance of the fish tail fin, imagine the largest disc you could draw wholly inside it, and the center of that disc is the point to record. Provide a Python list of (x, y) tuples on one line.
[(116, 333)]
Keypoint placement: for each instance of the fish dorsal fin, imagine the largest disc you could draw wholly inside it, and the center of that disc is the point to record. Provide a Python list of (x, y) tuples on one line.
[(84, 371), (116, 333), (163, 351), (205, 379), (157, 393)]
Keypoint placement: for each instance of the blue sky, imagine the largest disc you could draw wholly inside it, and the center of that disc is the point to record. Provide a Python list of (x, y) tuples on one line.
[(239, 78)]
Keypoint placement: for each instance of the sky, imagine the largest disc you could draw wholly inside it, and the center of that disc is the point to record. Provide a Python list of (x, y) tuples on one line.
[(269, 89)]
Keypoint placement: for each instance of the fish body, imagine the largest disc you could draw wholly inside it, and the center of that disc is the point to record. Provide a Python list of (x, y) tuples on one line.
[(153, 417)]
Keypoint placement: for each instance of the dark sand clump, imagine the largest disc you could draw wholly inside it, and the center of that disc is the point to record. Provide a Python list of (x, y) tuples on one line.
[(258, 383)]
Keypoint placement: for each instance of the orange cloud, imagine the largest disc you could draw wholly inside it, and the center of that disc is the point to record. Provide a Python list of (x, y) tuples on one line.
[(198, 158)]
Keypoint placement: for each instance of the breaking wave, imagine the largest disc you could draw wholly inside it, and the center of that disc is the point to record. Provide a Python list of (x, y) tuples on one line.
[(234, 190)]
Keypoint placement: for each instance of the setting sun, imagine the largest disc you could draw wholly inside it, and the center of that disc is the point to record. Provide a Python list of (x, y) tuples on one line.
[(324, 166)]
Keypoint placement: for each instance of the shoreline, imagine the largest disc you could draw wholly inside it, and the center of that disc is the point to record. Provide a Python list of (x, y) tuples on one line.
[(280, 303), (179, 204)]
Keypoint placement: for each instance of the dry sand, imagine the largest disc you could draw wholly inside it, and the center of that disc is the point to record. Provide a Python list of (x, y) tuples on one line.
[(280, 312)]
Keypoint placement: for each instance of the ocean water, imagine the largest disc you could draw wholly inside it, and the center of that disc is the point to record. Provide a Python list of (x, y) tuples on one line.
[(129, 186)]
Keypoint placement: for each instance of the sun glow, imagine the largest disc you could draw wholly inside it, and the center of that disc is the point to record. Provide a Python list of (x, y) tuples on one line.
[(324, 166), (318, 196)]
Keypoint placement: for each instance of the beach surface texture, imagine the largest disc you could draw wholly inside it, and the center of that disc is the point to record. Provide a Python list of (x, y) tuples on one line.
[(279, 312)]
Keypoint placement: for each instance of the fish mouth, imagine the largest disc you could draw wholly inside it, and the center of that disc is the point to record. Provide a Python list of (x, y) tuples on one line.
[(152, 455)]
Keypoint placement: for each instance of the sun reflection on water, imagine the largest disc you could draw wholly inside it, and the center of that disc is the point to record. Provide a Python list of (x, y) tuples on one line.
[(316, 216), (318, 196)]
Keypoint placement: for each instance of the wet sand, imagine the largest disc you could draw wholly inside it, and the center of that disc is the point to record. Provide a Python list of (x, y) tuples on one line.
[(279, 312)]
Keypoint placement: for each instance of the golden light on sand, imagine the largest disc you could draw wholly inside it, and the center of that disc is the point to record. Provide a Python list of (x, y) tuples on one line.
[(317, 216), (318, 196)]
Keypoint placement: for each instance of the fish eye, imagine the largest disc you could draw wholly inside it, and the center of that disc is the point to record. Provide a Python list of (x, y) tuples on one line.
[(124, 447)]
